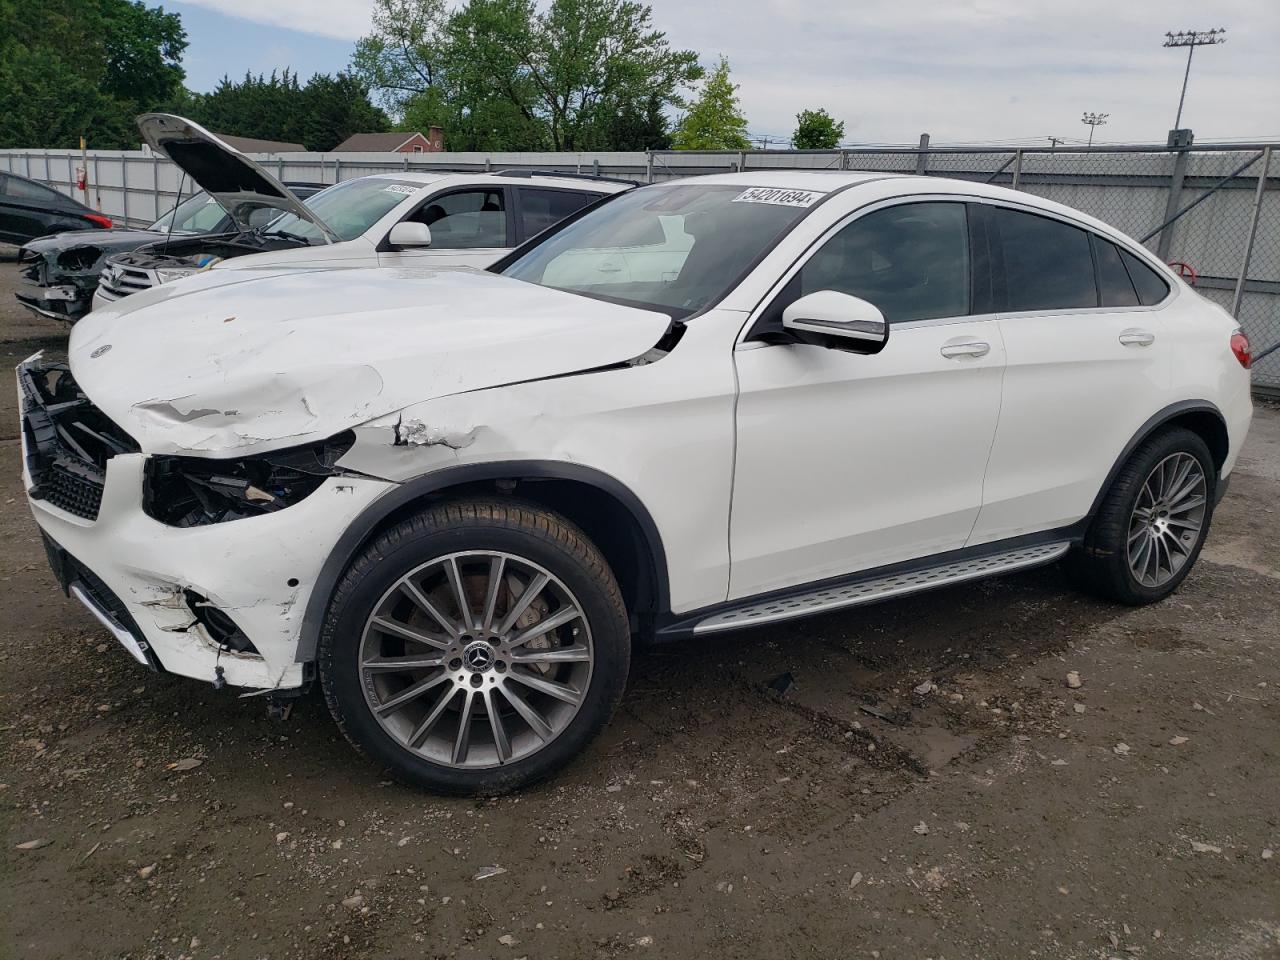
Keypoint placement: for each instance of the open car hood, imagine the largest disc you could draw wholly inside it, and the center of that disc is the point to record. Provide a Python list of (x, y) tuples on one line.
[(261, 360), (222, 171)]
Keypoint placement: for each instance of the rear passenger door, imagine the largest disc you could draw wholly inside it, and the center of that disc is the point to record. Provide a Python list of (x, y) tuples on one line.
[(471, 227), (1087, 363)]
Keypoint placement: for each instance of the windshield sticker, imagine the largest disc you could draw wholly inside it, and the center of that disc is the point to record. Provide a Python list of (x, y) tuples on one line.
[(404, 188), (778, 195)]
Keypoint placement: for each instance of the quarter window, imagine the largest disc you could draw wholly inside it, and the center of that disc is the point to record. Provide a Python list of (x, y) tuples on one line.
[(1114, 286), (1047, 264), (540, 209), (1150, 285), (910, 260)]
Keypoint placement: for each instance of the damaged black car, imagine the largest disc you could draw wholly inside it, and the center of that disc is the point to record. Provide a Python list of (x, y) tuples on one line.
[(61, 271)]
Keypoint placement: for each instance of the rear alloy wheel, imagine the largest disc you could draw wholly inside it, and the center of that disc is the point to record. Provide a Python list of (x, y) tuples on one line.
[(1152, 522), (475, 647)]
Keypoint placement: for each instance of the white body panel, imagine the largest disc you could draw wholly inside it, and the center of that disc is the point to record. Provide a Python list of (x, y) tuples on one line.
[(761, 466)]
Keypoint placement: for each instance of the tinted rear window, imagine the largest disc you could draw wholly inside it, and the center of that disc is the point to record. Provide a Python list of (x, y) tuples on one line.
[(1149, 284), (1047, 264)]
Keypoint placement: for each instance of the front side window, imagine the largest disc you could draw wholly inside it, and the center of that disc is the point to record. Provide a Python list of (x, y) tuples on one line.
[(910, 260), (199, 213), (349, 208), (1047, 263), (674, 247), (465, 220)]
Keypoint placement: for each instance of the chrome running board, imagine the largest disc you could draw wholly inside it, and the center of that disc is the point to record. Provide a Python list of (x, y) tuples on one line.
[(822, 600)]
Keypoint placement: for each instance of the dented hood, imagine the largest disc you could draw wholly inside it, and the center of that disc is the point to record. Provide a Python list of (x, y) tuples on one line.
[(241, 185), (228, 362)]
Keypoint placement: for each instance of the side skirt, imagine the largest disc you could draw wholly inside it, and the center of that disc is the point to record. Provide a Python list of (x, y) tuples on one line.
[(870, 586)]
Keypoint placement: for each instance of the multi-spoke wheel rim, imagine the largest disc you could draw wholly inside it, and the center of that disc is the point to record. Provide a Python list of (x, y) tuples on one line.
[(1167, 519), (476, 659)]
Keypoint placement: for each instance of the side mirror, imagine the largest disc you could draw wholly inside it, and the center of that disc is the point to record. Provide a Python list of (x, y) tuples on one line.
[(839, 321), (410, 233)]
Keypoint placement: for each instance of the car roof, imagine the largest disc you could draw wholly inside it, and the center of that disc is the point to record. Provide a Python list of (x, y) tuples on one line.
[(481, 178), (904, 184)]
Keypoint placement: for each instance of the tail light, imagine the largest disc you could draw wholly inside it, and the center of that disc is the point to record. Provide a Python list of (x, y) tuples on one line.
[(99, 219), (1240, 347)]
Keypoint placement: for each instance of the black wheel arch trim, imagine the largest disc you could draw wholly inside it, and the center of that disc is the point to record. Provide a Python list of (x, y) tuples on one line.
[(360, 530), (1154, 423)]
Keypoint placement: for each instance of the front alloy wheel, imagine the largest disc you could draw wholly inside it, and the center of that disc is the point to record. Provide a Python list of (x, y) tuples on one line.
[(476, 659), (475, 647)]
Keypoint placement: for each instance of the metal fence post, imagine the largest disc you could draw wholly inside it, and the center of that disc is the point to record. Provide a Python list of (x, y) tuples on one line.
[(337, 169), (124, 188), (1017, 169), (648, 166), (97, 185), (155, 183), (1253, 233), (1171, 206), (922, 157)]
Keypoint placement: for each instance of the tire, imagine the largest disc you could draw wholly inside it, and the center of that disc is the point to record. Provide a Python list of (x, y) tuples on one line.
[(552, 692), (1106, 565)]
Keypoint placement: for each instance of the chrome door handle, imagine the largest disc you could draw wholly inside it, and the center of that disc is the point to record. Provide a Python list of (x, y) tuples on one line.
[(977, 348), (1137, 338)]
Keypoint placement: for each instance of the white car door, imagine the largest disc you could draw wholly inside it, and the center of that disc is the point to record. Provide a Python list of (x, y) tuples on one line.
[(844, 461), (1088, 362), (469, 227)]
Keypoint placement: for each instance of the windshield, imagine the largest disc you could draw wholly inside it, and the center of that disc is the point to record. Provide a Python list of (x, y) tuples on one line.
[(676, 248), (199, 213), (349, 208)]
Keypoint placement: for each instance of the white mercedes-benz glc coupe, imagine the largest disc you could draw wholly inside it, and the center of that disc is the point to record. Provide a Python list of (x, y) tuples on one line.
[(456, 498)]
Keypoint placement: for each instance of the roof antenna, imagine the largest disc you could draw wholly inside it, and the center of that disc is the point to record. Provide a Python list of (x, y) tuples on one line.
[(174, 215)]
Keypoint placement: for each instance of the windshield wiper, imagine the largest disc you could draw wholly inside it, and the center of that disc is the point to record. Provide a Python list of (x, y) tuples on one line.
[(287, 235)]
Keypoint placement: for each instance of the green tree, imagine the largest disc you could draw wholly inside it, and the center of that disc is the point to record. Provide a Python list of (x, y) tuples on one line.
[(84, 67), (333, 108), (816, 130), (714, 120), (500, 74)]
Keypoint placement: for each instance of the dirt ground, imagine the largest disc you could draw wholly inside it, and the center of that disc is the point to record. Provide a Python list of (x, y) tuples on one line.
[(862, 813)]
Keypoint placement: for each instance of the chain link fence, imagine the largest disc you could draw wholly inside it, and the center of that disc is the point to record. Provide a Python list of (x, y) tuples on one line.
[(1213, 211)]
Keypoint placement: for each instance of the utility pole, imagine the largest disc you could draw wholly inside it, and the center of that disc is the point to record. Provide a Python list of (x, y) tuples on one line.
[(1053, 143), (1191, 39), (1094, 120)]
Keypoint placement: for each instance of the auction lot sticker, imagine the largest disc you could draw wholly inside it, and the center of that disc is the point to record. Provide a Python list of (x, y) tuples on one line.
[(779, 195)]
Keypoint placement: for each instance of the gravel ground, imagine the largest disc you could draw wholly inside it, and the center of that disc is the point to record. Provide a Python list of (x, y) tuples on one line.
[(929, 787)]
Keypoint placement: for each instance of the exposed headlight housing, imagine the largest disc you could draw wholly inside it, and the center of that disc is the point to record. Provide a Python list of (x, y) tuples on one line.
[(193, 492), (169, 274)]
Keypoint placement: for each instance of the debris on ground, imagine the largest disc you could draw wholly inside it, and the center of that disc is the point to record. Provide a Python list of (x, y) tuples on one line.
[(484, 873), (1073, 680), (781, 683)]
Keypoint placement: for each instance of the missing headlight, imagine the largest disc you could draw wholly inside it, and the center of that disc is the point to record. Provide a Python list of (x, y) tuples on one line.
[(193, 492)]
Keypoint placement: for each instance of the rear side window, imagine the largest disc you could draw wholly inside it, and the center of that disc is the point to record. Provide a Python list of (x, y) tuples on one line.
[(1150, 285), (910, 260), (26, 190), (540, 209), (1114, 286), (1047, 264)]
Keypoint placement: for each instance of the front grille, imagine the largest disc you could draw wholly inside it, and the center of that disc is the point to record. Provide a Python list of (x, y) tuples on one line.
[(68, 439), (118, 281)]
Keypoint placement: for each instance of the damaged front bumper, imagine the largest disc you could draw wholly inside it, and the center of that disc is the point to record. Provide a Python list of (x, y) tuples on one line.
[(222, 602), (54, 293)]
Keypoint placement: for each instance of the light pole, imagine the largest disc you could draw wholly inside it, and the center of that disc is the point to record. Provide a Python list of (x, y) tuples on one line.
[(1094, 120), (1191, 39)]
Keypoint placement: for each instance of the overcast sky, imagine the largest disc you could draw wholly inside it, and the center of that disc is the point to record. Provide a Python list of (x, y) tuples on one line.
[(971, 70)]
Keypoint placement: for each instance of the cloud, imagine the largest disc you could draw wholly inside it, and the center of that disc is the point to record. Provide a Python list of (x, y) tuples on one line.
[(339, 19), (962, 70)]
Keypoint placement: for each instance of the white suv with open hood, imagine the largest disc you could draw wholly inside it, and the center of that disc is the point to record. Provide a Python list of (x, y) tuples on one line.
[(449, 219), (457, 497)]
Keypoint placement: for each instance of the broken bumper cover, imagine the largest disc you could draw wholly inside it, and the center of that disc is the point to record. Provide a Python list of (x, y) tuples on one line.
[(138, 576), (63, 301)]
